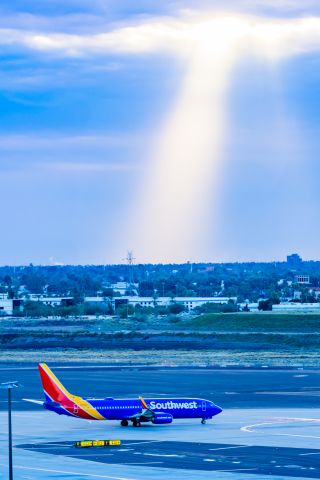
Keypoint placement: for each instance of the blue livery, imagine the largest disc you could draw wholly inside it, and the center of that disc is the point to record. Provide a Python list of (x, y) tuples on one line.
[(137, 411)]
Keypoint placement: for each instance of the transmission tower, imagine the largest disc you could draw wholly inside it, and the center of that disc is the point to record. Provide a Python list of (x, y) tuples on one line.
[(130, 260)]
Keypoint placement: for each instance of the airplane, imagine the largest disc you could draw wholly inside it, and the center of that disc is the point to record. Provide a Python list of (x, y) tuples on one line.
[(137, 411)]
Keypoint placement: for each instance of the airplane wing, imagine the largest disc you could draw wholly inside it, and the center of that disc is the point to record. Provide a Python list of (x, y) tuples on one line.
[(30, 400), (148, 415), (145, 415)]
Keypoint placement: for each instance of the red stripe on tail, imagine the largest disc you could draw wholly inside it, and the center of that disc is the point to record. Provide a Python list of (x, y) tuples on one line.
[(51, 388)]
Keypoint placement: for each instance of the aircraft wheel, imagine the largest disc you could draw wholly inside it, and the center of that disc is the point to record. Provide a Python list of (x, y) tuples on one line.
[(203, 421), (124, 423)]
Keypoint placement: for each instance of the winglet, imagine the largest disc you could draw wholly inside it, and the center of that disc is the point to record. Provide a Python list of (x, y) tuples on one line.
[(143, 403)]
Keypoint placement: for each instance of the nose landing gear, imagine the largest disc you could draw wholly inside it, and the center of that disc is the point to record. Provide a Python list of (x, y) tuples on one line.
[(203, 421)]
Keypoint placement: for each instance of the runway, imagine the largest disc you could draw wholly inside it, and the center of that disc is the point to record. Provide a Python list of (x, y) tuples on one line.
[(258, 442), (210, 457), (230, 388)]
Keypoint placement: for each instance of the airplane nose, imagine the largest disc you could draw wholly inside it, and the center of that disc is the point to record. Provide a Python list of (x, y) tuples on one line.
[(217, 409)]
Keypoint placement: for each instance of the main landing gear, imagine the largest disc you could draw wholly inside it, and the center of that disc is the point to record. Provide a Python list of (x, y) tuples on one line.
[(203, 421), (125, 423)]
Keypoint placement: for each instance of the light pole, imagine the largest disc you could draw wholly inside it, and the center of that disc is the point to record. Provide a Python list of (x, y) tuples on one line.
[(9, 386)]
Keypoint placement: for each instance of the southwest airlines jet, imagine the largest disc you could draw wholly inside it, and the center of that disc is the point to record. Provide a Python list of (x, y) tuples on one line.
[(155, 410)]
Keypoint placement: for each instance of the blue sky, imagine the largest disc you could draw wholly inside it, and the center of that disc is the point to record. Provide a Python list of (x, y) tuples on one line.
[(98, 99)]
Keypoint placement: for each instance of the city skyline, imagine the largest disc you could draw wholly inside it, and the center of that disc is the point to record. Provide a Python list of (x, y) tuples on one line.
[(293, 259), (182, 131)]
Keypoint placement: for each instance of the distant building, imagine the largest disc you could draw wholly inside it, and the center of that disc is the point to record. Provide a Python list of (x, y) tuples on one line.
[(302, 279), (315, 291), (189, 303), (120, 287), (123, 287), (95, 300), (297, 295), (51, 301), (294, 260), (10, 306), (6, 306)]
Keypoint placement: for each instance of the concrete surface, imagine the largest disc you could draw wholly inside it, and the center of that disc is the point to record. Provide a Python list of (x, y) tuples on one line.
[(259, 443)]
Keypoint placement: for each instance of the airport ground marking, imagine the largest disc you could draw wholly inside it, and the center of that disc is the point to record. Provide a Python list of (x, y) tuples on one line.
[(279, 421), (170, 455), (295, 435), (299, 419), (65, 472), (248, 428), (54, 445), (85, 455), (313, 453), (229, 448), (298, 394), (141, 463), (236, 470), (141, 443)]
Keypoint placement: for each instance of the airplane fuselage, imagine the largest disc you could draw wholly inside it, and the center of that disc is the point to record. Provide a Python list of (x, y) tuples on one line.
[(118, 409), (155, 410)]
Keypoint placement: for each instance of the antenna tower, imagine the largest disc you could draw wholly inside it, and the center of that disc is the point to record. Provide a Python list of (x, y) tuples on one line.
[(130, 260)]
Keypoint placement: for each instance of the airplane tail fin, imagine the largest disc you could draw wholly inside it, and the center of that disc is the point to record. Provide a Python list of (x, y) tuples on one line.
[(53, 389), (56, 393)]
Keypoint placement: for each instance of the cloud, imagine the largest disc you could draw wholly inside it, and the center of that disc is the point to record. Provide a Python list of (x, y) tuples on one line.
[(54, 166), (136, 38), (80, 154), (87, 167), (17, 142), (75, 22), (176, 35), (19, 75), (296, 5)]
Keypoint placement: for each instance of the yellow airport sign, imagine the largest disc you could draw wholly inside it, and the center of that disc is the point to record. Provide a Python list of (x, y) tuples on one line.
[(96, 443)]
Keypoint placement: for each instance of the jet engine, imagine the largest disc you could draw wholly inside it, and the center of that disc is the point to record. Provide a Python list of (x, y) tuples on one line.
[(161, 417)]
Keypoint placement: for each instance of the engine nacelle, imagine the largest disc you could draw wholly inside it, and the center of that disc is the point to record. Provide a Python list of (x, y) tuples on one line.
[(161, 417)]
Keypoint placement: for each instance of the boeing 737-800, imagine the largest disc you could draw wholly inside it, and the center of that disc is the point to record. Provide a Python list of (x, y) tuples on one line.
[(155, 410)]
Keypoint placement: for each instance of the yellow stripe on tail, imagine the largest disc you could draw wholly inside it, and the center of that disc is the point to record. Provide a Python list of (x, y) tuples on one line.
[(61, 392)]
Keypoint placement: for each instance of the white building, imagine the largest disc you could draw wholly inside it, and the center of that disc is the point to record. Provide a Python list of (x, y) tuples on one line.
[(302, 279), (189, 303), (6, 306), (51, 301), (10, 306), (122, 287)]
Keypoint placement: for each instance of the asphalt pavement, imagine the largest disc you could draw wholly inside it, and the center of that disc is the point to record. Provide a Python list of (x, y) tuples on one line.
[(217, 457), (269, 427), (228, 388)]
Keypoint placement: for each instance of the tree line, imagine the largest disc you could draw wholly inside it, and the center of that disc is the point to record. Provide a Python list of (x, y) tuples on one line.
[(246, 281)]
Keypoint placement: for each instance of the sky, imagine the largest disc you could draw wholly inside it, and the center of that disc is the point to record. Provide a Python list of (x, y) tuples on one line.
[(180, 130)]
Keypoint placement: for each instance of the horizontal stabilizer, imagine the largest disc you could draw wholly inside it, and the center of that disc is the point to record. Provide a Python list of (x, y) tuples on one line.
[(30, 400)]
